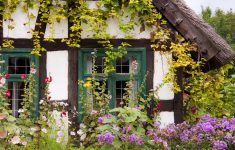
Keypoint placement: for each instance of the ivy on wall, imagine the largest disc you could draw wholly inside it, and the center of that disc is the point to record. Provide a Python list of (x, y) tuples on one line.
[(129, 14)]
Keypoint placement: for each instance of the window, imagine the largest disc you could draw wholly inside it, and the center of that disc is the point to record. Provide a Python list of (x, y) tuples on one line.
[(116, 81), (17, 62)]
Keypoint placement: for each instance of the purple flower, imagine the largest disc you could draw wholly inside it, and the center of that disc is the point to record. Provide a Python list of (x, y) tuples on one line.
[(185, 135), (133, 137), (207, 127), (129, 128), (106, 137), (100, 120), (157, 124), (221, 145), (228, 138)]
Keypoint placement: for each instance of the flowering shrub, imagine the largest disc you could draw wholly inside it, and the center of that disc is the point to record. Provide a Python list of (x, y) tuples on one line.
[(125, 127)]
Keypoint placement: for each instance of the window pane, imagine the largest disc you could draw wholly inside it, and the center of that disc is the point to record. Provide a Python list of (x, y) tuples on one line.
[(122, 65), (19, 65), (17, 90), (94, 97), (120, 86), (99, 63)]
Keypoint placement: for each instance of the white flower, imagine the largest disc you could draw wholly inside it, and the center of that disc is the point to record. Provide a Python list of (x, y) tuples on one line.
[(82, 138), (92, 53), (3, 80), (63, 104), (82, 125), (60, 134), (17, 131), (72, 133), (44, 118), (21, 110), (15, 140), (58, 140), (44, 130), (24, 143), (33, 70), (115, 127), (80, 132), (33, 129), (58, 123), (41, 101), (93, 112)]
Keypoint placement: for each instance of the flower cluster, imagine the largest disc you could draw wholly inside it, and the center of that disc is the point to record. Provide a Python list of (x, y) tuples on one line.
[(133, 138), (101, 119), (208, 132), (105, 137)]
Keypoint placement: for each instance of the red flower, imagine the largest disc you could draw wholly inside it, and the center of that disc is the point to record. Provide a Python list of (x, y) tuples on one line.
[(8, 93), (63, 114), (48, 79), (7, 76), (49, 98), (194, 109), (158, 106), (156, 110), (23, 76)]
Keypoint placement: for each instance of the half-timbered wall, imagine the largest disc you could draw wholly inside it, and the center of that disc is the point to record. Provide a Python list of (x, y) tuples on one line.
[(61, 62)]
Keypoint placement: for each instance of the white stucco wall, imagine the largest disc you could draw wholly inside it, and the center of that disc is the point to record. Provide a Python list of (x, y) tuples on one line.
[(113, 28), (57, 30), (57, 67), (19, 19), (160, 69), (166, 118)]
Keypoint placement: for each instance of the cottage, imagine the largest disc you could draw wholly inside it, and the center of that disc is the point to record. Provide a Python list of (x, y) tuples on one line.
[(68, 64)]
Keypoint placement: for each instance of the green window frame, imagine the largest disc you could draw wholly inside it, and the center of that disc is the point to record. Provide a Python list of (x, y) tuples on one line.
[(138, 53), (15, 78)]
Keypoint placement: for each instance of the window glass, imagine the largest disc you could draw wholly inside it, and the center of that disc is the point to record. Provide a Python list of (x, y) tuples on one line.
[(17, 91), (132, 65), (99, 64), (18, 65), (120, 86)]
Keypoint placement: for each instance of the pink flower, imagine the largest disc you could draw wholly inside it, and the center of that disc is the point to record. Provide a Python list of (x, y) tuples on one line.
[(7, 76), (23, 76), (134, 64), (48, 79), (8, 93), (194, 109), (33, 70), (63, 114)]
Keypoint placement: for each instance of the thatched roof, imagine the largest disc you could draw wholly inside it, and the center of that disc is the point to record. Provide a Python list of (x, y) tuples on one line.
[(211, 45)]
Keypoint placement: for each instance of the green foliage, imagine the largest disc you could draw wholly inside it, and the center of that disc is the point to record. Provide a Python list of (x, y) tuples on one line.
[(205, 88), (223, 22)]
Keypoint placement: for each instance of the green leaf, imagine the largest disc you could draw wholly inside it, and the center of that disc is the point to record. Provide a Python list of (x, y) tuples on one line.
[(117, 143)]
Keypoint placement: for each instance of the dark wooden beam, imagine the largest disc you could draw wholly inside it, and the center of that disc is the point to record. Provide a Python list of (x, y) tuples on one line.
[(166, 105), (73, 73), (178, 98)]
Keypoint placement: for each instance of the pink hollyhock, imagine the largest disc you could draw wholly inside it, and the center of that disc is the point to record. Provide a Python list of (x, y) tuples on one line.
[(7, 76), (8, 93), (48, 79), (23, 76), (63, 114)]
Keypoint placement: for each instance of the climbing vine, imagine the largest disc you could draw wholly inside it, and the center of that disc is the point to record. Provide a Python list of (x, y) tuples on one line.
[(129, 14)]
